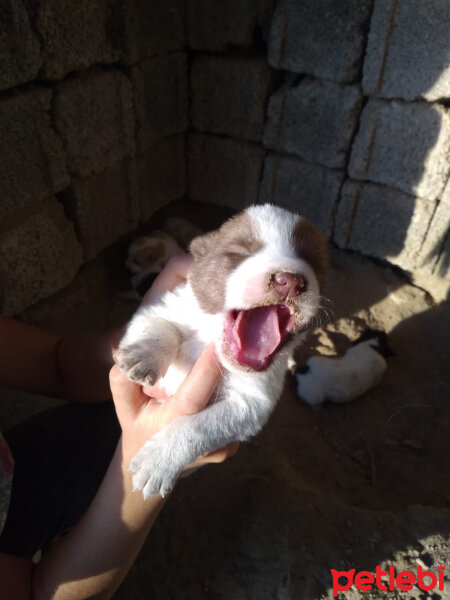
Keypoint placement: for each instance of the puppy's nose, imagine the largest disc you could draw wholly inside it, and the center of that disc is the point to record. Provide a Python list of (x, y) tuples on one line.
[(288, 285)]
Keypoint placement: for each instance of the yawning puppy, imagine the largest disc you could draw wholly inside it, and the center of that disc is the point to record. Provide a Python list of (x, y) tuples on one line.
[(254, 289)]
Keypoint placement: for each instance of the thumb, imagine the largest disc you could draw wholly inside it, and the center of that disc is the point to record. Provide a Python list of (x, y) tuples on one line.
[(127, 396), (196, 390)]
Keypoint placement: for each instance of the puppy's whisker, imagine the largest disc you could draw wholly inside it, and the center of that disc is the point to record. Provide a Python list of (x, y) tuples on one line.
[(326, 299), (325, 310), (316, 322), (221, 369), (326, 313)]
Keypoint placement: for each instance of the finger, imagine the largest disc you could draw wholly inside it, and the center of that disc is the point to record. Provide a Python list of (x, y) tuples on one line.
[(218, 456), (196, 390), (127, 396), (180, 265), (222, 453), (215, 456), (174, 273), (155, 391)]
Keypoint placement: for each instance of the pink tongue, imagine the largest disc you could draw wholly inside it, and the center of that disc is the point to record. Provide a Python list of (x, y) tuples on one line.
[(257, 335)]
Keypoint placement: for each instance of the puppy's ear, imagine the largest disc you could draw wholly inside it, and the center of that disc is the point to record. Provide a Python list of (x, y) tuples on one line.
[(203, 244), (311, 245)]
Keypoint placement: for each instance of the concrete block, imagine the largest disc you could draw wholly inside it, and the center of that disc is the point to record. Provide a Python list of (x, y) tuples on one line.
[(74, 35), (160, 96), (101, 208), (324, 38), (229, 95), (20, 56), (151, 27), (408, 51), (224, 171), (403, 145), (309, 190), (93, 114), (442, 269), (158, 176), (435, 256), (225, 24), (37, 258), (314, 120), (32, 161), (382, 222)]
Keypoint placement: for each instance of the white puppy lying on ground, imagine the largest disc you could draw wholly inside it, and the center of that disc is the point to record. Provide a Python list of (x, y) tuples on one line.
[(254, 290), (347, 377)]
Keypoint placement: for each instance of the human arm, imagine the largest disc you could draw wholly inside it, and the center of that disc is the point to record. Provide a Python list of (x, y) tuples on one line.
[(92, 559), (73, 367)]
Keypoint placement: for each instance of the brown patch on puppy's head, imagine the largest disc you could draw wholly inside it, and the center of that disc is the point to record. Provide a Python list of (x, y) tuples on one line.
[(311, 245), (216, 254)]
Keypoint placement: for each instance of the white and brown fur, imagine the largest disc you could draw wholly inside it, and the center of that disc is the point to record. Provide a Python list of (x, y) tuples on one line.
[(233, 268), (149, 254)]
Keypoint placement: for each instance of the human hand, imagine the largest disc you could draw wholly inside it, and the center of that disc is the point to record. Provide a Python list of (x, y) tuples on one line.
[(142, 416), (174, 273)]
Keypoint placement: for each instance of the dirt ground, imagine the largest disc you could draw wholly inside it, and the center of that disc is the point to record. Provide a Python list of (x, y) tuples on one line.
[(341, 487)]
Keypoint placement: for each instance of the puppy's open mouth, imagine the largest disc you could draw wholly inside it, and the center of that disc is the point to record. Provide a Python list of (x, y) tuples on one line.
[(253, 337)]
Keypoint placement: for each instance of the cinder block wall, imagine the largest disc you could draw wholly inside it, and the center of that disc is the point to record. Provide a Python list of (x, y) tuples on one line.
[(338, 110), (93, 113)]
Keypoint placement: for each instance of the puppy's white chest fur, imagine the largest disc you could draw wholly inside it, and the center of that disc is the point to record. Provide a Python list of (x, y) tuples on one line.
[(197, 329), (254, 291)]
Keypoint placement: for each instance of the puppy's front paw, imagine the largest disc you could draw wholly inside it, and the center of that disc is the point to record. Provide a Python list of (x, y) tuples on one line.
[(155, 470), (139, 362)]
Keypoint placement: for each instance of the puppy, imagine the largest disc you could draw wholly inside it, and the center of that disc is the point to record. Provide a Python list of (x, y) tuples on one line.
[(147, 256), (254, 289), (348, 377)]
